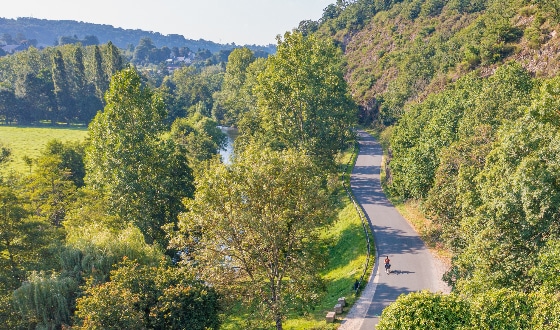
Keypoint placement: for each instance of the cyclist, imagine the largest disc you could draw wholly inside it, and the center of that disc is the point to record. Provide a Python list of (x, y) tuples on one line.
[(387, 264)]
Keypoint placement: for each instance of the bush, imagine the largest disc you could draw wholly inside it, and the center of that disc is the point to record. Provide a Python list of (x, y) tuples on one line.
[(425, 310)]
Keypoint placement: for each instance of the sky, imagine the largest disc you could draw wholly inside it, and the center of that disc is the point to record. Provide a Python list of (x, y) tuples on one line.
[(223, 21)]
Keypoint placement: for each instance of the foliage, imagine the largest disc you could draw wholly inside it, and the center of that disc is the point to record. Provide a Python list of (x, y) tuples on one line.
[(252, 229), (501, 308), (234, 98), (426, 310), (303, 99), (141, 297), (46, 300), (199, 135), (144, 175), (64, 84), (190, 90), (494, 309), (25, 242), (399, 52)]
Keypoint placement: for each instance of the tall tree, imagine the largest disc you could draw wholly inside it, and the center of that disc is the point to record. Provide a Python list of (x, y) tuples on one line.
[(233, 100), (99, 79), (61, 89), (114, 60), (145, 176), (253, 229), (303, 99)]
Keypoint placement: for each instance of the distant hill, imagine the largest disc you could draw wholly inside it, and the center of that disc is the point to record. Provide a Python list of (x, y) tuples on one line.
[(47, 32)]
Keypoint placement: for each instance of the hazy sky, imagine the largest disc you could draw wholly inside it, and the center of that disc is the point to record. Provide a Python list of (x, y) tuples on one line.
[(223, 21)]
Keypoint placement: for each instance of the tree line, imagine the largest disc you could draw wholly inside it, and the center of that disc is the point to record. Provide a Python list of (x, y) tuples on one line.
[(63, 84), (142, 225)]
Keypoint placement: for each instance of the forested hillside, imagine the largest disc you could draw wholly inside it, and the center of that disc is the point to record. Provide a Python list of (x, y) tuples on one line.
[(49, 33), (466, 96), (142, 226)]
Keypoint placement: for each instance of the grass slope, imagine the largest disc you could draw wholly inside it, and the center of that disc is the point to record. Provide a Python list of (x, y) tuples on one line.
[(30, 141)]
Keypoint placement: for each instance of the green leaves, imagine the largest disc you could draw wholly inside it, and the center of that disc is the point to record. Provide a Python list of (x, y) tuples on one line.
[(425, 310), (143, 297), (252, 229), (494, 309), (303, 99), (46, 300), (145, 176)]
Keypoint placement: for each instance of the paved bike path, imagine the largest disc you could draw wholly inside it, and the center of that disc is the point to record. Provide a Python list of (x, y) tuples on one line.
[(413, 267)]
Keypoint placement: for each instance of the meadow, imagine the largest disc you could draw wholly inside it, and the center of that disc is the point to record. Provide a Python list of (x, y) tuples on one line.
[(30, 141)]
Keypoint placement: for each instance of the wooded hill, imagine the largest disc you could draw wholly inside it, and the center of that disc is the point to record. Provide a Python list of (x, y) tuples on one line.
[(466, 94), (400, 51), (48, 32)]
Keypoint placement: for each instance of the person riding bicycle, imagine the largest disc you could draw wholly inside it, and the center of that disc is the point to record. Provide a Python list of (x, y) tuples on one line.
[(387, 263)]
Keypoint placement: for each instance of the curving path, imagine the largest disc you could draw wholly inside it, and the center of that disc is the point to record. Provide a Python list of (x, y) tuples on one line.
[(413, 266)]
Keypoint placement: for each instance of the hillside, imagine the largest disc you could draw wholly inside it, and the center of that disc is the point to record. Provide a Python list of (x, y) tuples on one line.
[(46, 32), (400, 51)]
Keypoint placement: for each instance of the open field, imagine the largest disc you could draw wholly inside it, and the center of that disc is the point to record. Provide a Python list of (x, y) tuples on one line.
[(30, 141)]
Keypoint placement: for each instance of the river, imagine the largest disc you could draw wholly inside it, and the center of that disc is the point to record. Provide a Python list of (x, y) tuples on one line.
[(231, 134)]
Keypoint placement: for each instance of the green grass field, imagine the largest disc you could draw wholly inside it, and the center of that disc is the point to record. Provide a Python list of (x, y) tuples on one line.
[(30, 141)]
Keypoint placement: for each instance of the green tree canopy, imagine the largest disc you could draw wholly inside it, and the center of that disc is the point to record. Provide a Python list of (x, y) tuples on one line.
[(144, 175), (142, 297), (252, 229), (303, 99)]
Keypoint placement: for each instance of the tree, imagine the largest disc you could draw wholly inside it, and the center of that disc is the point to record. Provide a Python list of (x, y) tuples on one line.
[(142, 51), (114, 62), (99, 80), (8, 104), (46, 301), (200, 137), (71, 158), (516, 202), (143, 297), (144, 175), (426, 310), (252, 230), (233, 100), (35, 91), (51, 189), (303, 99), (12, 230), (61, 89)]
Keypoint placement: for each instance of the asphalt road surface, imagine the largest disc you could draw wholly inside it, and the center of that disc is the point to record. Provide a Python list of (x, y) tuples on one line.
[(413, 268)]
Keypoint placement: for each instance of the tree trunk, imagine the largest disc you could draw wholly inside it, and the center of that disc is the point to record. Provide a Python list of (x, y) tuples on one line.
[(278, 322)]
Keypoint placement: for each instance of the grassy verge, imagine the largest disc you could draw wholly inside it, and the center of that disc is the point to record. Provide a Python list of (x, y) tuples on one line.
[(347, 258), (30, 141)]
